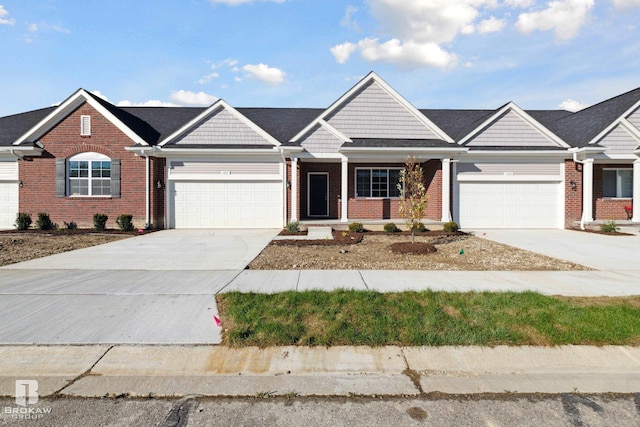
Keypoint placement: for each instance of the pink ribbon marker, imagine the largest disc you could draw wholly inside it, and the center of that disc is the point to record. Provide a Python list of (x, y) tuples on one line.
[(217, 320)]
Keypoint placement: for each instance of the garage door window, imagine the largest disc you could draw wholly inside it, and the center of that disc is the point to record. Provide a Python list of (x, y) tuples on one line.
[(89, 175), (377, 182), (617, 183)]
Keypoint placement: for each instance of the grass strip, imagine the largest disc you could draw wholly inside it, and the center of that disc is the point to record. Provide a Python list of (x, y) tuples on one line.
[(346, 317)]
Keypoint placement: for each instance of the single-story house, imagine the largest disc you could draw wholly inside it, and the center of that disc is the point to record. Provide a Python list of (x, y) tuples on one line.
[(229, 167)]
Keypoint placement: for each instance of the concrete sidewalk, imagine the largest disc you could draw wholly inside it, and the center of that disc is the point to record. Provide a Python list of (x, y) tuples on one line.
[(97, 371), (569, 283)]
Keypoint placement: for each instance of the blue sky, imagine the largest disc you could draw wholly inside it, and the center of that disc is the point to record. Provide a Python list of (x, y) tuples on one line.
[(306, 53)]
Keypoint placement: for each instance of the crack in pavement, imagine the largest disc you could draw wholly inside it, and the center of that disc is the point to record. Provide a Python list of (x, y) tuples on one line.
[(84, 374)]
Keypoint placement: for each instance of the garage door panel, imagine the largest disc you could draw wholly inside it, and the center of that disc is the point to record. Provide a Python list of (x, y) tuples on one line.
[(227, 204), (509, 204), (8, 204)]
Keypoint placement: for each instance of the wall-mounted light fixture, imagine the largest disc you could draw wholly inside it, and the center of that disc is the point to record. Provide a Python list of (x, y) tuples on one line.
[(288, 184), (159, 184), (20, 184), (574, 185)]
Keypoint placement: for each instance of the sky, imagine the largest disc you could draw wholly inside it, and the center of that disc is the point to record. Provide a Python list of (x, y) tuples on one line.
[(474, 54)]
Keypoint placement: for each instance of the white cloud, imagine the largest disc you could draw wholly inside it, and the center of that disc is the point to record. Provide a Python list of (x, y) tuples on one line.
[(264, 73), (415, 31), (571, 105), (519, 3), (208, 78), (150, 103), (237, 2), (33, 28), (99, 95), (490, 25), (343, 51), (59, 29), (564, 17), (623, 4), (3, 14), (229, 62), (348, 21), (185, 97)]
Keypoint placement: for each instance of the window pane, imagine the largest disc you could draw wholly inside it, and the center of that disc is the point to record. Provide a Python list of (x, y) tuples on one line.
[(101, 187), (100, 169), (79, 187), (379, 182), (363, 183), (626, 182), (394, 179), (609, 183)]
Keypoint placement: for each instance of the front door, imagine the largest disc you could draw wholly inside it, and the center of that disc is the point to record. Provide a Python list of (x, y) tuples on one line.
[(318, 194)]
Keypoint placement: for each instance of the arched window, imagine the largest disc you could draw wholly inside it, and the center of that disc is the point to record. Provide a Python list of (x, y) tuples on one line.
[(89, 174)]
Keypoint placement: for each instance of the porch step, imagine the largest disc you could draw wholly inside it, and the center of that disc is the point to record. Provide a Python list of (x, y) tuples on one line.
[(319, 233)]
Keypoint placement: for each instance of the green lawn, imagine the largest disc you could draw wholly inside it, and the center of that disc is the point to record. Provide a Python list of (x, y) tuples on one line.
[(426, 318)]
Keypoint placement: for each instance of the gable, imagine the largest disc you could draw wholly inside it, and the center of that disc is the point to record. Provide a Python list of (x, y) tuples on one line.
[(371, 112), (510, 130), (320, 140), (222, 127), (619, 141), (634, 118)]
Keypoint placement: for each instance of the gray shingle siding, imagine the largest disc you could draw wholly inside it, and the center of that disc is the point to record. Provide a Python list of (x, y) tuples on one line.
[(320, 140), (634, 118), (373, 113), (619, 141), (510, 130)]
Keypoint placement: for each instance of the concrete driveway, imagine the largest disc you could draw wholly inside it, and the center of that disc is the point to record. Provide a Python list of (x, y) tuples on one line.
[(601, 252), (152, 289)]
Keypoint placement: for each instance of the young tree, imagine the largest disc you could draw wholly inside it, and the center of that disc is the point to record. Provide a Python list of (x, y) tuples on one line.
[(414, 195)]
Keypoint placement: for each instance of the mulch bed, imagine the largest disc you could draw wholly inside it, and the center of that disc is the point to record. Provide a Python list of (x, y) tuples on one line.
[(417, 248), (77, 231), (595, 231), (351, 238), (339, 238)]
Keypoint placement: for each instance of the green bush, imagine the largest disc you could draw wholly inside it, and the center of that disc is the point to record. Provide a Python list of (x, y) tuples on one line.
[(419, 227), (100, 221), (450, 227), (609, 227), (23, 221), (124, 222), (356, 227), (70, 225), (390, 227), (293, 226), (44, 222)]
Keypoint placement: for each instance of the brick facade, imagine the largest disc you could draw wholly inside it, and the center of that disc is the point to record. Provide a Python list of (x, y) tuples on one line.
[(38, 174), (572, 198), (608, 208)]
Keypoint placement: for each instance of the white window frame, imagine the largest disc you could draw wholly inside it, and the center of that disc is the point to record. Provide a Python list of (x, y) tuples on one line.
[(371, 169), (85, 125), (618, 183), (89, 157)]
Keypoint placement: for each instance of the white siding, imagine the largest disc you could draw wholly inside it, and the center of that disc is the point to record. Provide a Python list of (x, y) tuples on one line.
[(8, 170), (634, 118), (510, 130), (373, 113), (222, 128), (320, 140), (619, 141), (223, 168), (509, 168)]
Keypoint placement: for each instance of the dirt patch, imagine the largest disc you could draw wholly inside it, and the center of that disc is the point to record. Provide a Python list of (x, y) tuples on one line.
[(25, 246), (417, 248), (340, 238), (606, 233), (455, 252)]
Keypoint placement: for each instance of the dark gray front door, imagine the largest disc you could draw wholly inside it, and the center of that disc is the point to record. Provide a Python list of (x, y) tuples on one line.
[(318, 194)]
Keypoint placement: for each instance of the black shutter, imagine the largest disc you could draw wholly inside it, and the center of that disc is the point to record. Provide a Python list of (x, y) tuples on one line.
[(61, 178), (115, 178)]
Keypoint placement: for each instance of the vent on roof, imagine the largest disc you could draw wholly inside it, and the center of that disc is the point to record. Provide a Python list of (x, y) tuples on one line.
[(85, 125)]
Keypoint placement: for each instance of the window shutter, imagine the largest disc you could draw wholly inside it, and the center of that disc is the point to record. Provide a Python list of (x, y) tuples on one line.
[(115, 178), (61, 178)]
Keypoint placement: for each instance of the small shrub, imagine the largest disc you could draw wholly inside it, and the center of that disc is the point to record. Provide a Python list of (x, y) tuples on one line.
[(124, 222), (609, 227), (450, 227), (390, 227), (419, 227), (293, 227), (356, 227), (23, 221), (44, 222), (100, 221), (71, 225)]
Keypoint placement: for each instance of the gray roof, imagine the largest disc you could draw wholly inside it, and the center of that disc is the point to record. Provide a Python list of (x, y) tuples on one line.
[(13, 127)]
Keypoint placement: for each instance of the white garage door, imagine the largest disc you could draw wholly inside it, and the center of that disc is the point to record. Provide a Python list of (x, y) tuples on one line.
[(227, 204), (509, 205), (8, 204)]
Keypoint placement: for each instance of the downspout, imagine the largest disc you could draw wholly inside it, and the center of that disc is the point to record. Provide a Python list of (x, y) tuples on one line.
[(575, 159), (284, 187), (147, 190)]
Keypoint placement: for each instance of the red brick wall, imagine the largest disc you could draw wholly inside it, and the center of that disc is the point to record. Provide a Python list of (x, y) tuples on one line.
[(607, 208), (289, 179), (38, 173), (157, 196), (334, 170), (433, 178), (572, 198)]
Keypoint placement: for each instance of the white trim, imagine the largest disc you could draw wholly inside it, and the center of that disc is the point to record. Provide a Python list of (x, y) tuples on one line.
[(446, 190), (294, 189), (373, 77), (618, 183), (90, 158), (587, 192), (309, 194), (219, 104), (622, 119), (335, 132), (636, 191), (344, 189), (67, 107), (524, 116)]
